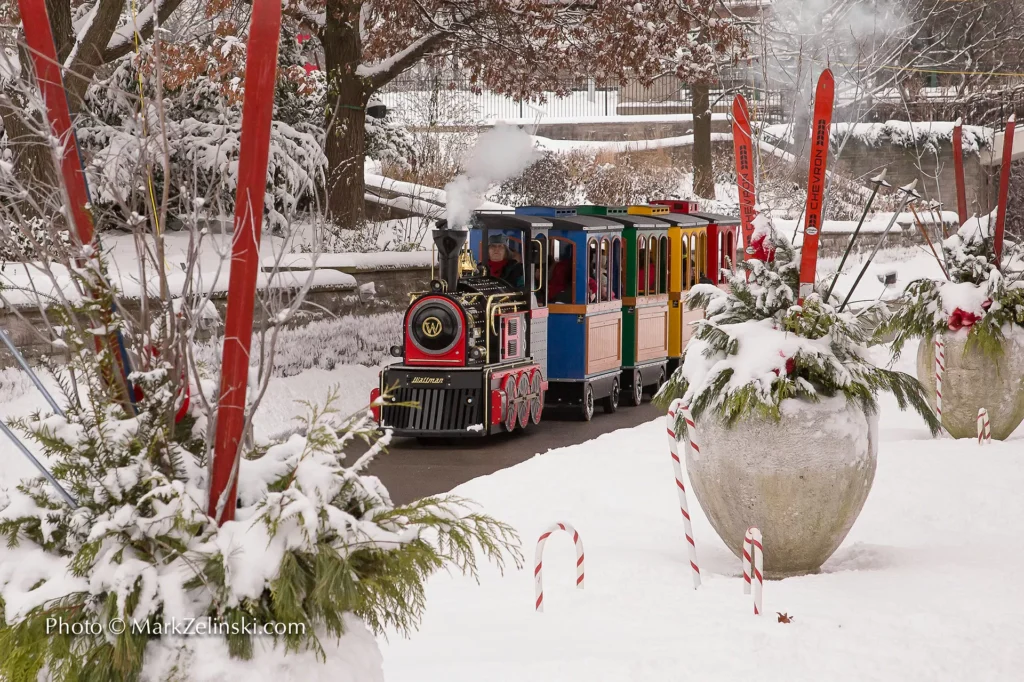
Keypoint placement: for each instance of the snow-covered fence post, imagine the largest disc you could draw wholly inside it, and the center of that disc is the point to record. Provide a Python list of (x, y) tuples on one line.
[(984, 427), (673, 444), (753, 545), (539, 556), (940, 368)]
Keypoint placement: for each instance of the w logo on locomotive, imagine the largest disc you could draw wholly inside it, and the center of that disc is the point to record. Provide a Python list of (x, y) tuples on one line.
[(431, 327)]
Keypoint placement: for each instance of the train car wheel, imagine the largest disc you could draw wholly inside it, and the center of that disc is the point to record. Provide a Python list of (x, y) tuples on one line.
[(511, 405), (587, 409), (636, 396), (661, 382), (537, 399), (524, 397), (611, 403)]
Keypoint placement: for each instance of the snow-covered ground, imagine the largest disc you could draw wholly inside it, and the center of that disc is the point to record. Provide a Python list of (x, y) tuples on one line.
[(925, 587)]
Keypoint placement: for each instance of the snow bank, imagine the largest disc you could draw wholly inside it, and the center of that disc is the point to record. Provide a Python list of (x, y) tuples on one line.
[(915, 593), (622, 146), (381, 260)]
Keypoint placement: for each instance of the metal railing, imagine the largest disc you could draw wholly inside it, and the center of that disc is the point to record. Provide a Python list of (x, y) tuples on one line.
[(450, 100)]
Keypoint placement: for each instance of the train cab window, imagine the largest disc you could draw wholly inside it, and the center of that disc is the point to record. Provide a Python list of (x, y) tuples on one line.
[(504, 258), (562, 269), (641, 259), (540, 268)]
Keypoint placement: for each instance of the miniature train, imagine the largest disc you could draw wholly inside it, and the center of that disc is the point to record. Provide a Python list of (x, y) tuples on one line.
[(543, 306)]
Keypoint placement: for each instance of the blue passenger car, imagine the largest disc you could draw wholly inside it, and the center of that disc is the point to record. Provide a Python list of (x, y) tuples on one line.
[(584, 296)]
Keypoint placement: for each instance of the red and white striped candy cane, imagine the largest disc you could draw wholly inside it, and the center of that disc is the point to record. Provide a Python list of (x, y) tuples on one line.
[(752, 544), (940, 369), (673, 444), (984, 427), (539, 555)]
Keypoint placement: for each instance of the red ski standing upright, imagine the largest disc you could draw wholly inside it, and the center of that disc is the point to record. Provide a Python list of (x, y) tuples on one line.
[(254, 153), (958, 167), (823, 101), (1004, 190), (741, 140)]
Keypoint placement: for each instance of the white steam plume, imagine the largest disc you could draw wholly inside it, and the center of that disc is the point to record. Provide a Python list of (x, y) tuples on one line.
[(501, 153)]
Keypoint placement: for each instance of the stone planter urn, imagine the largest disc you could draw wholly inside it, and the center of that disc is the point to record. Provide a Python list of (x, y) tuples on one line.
[(972, 381), (802, 481)]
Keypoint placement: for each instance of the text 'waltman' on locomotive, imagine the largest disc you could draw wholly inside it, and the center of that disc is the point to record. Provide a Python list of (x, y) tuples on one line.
[(550, 307)]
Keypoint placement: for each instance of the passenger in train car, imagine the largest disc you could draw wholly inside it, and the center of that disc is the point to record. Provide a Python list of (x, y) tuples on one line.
[(648, 275), (501, 262), (560, 279)]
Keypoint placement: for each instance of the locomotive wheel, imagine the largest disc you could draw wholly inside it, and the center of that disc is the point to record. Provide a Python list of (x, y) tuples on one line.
[(511, 407), (524, 398), (636, 396), (537, 401), (611, 403), (587, 409)]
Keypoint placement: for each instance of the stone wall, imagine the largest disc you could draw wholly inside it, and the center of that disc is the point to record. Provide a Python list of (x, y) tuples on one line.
[(934, 172), (389, 291)]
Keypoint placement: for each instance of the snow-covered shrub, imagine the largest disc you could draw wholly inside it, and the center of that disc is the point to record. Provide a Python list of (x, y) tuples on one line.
[(556, 179), (631, 178), (315, 545), (326, 344), (757, 346), (984, 301), (21, 244)]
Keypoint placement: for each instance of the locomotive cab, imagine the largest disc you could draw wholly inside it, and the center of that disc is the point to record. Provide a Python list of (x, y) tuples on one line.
[(471, 364)]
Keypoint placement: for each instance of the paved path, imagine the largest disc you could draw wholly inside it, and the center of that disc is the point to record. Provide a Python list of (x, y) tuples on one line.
[(411, 470)]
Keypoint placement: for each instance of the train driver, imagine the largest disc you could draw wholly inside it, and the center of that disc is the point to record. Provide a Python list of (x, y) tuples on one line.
[(501, 263)]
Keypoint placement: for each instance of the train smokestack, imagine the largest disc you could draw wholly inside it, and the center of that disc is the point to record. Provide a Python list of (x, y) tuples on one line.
[(449, 245)]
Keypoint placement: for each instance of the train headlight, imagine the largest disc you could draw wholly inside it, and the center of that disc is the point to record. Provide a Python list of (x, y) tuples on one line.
[(435, 326), (396, 351), (476, 353)]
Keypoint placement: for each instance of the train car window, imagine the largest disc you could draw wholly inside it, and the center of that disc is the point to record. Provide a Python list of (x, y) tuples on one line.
[(684, 256), (604, 283), (702, 256), (562, 277), (592, 271), (652, 272), (615, 276), (727, 256), (539, 262), (665, 265), (691, 262), (641, 261)]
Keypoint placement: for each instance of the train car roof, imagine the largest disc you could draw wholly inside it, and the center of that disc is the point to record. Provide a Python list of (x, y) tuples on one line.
[(683, 219), (511, 221), (585, 223), (636, 220), (717, 218)]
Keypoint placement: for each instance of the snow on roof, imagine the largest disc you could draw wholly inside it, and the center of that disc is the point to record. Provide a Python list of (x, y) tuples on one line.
[(611, 118)]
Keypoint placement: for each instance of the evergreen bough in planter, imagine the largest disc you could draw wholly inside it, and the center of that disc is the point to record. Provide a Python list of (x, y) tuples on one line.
[(313, 543), (757, 347), (978, 297)]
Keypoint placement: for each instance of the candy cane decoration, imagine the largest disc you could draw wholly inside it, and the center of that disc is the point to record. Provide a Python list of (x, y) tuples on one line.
[(539, 555), (940, 368), (984, 427), (673, 445), (752, 544)]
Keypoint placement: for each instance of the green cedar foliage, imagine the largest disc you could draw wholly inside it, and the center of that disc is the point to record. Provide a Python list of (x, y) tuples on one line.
[(817, 352)]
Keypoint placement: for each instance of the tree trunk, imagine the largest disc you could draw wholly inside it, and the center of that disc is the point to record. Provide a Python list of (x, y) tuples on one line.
[(347, 96), (703, 170)]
